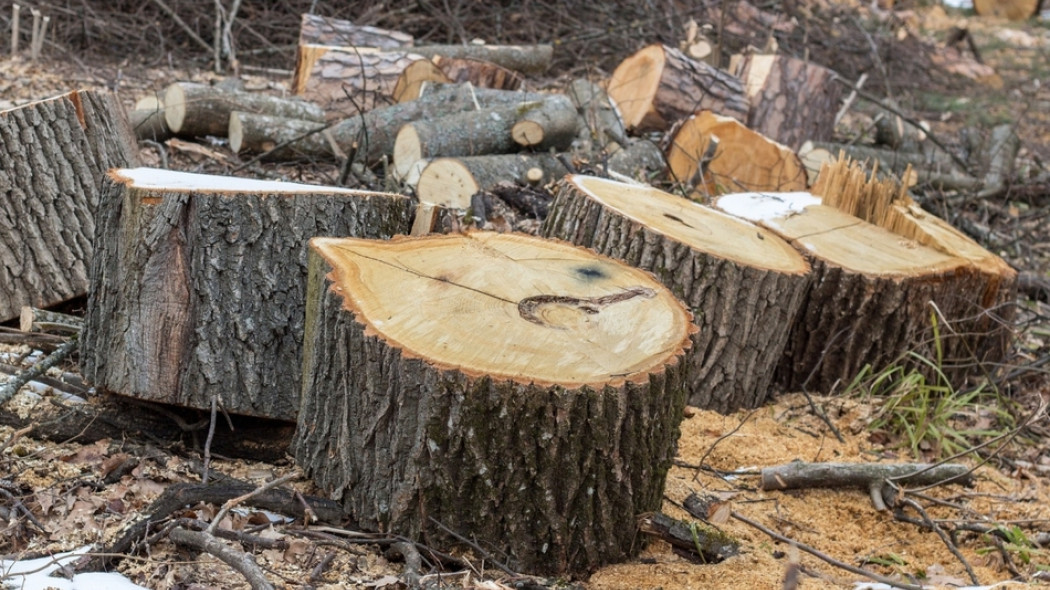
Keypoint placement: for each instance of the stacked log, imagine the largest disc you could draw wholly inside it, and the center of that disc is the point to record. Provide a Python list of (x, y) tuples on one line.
[(196, 110), (55, 153), (540, 414), (744, 285), (198, 284)]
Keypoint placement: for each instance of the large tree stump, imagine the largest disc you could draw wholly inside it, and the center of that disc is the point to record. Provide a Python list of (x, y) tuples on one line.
[(792, 100), (713, 155), (872, 291), (537, 416), (744, 284), (54, 155), (659, 85), (198, 285)]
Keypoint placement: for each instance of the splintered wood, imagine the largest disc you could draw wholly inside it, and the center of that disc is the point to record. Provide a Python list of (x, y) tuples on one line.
[(437, 391)]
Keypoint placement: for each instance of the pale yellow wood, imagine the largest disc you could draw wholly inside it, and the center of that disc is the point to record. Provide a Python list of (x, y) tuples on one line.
[(568, 317)]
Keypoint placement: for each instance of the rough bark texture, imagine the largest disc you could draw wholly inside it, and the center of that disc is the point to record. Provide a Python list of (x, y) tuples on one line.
[(527, 59), (262, 133), (321, 30), (659, 85), (196, 110), (349, 80), (199, 293), (802, 475), (603, 123), (792, 101), (552, 126), (55, 153), (450, 182), (373, 133), (641, 160), (550, 478), (147, 119), (744, 313)]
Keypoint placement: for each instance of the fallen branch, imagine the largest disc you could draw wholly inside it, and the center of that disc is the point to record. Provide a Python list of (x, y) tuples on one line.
[(238, 560), (10, 388), (699, 544), (799, 474)]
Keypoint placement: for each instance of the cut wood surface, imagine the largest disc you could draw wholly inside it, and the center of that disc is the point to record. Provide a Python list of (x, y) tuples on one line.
[(481, 73), (744, 284), (1009, 9), (54, 155), (323, 30), (196, 110), (349, 80), (870, 300), (411, 80), (659, 85), (792, 100), (553, 125), (370, 136), (437, 391), (147, 119), (450, 182), (714, 155), (198, 285)]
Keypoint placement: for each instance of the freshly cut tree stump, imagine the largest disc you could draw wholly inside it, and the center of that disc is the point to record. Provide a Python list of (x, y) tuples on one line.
[(54, 155), (792, 100), (198, 285), (744, 285), (659, 85), (196, 110), (984, 333), (716, 155), (536, 415), (322, 30), (870, 300)]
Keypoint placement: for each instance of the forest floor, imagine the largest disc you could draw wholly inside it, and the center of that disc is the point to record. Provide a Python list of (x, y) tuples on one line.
[(74, 500)]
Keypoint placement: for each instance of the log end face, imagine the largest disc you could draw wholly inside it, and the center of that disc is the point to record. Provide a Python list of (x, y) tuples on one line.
[(175, 107), (634, 84)]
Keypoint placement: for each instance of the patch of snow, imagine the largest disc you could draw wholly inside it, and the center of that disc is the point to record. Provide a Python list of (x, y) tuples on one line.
[(35, 574), (963, 4), (157, 178), (765, 206)]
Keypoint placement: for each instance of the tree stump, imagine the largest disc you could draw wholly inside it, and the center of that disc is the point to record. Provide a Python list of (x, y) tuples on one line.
[(744, 285), (198, 285), (659, 85), (714, 155), (54, 155), (870, 300), (538, 415)]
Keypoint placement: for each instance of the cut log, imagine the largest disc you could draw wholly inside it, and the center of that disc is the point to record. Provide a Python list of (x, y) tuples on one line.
[(411, 80), (870, 300), (323, 30), (640, 160), (1009, 9), (198, 285), (978, 335), (715, 155), (473, 133), (659, 85), (256, 133), (527, 59), (147, 119), (54, 155), (371, 135), (196, 110), (792, 100), (480, 73), (551, 126), (539, 414), (348, 81), (450, 182), (603, 123), (743, 284)]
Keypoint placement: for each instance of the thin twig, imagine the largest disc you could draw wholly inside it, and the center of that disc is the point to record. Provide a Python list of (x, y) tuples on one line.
[(11, 387), (210, 437), (189, 31), (231, 503), (485, 554), (944, 537)]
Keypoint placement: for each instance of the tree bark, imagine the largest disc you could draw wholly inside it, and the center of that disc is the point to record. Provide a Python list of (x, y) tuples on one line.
[(744, 285), (551, 126), (450, 182), (537, 416), (147, 119), (792, 100), (263, 133), (602, 119), (323, 30), (527, 59), (799, 474), (197, 288), (713, 155), (55, 153), (870, 300), (196, 110), (659, 85)]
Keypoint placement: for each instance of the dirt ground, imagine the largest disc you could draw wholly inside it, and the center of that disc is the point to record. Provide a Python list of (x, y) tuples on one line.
[(719, 455)]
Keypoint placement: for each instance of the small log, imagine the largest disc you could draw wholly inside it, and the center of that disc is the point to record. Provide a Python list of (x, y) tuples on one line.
[(551, 126), (997, 159), (870, 300), (371, 135), (641, 159), (53, 155), (659, 85), (324, 30), (792, 100), (42, 320), (480, 73), (744, 285), (471, 133), (1009, 9), (147, 119), (450, 182), (527, 59), (175, 315), (196, 110), (257, 133), (603, 123), (411, 80), (800, 474), (699, 543), (436, 391), (714, 155)]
